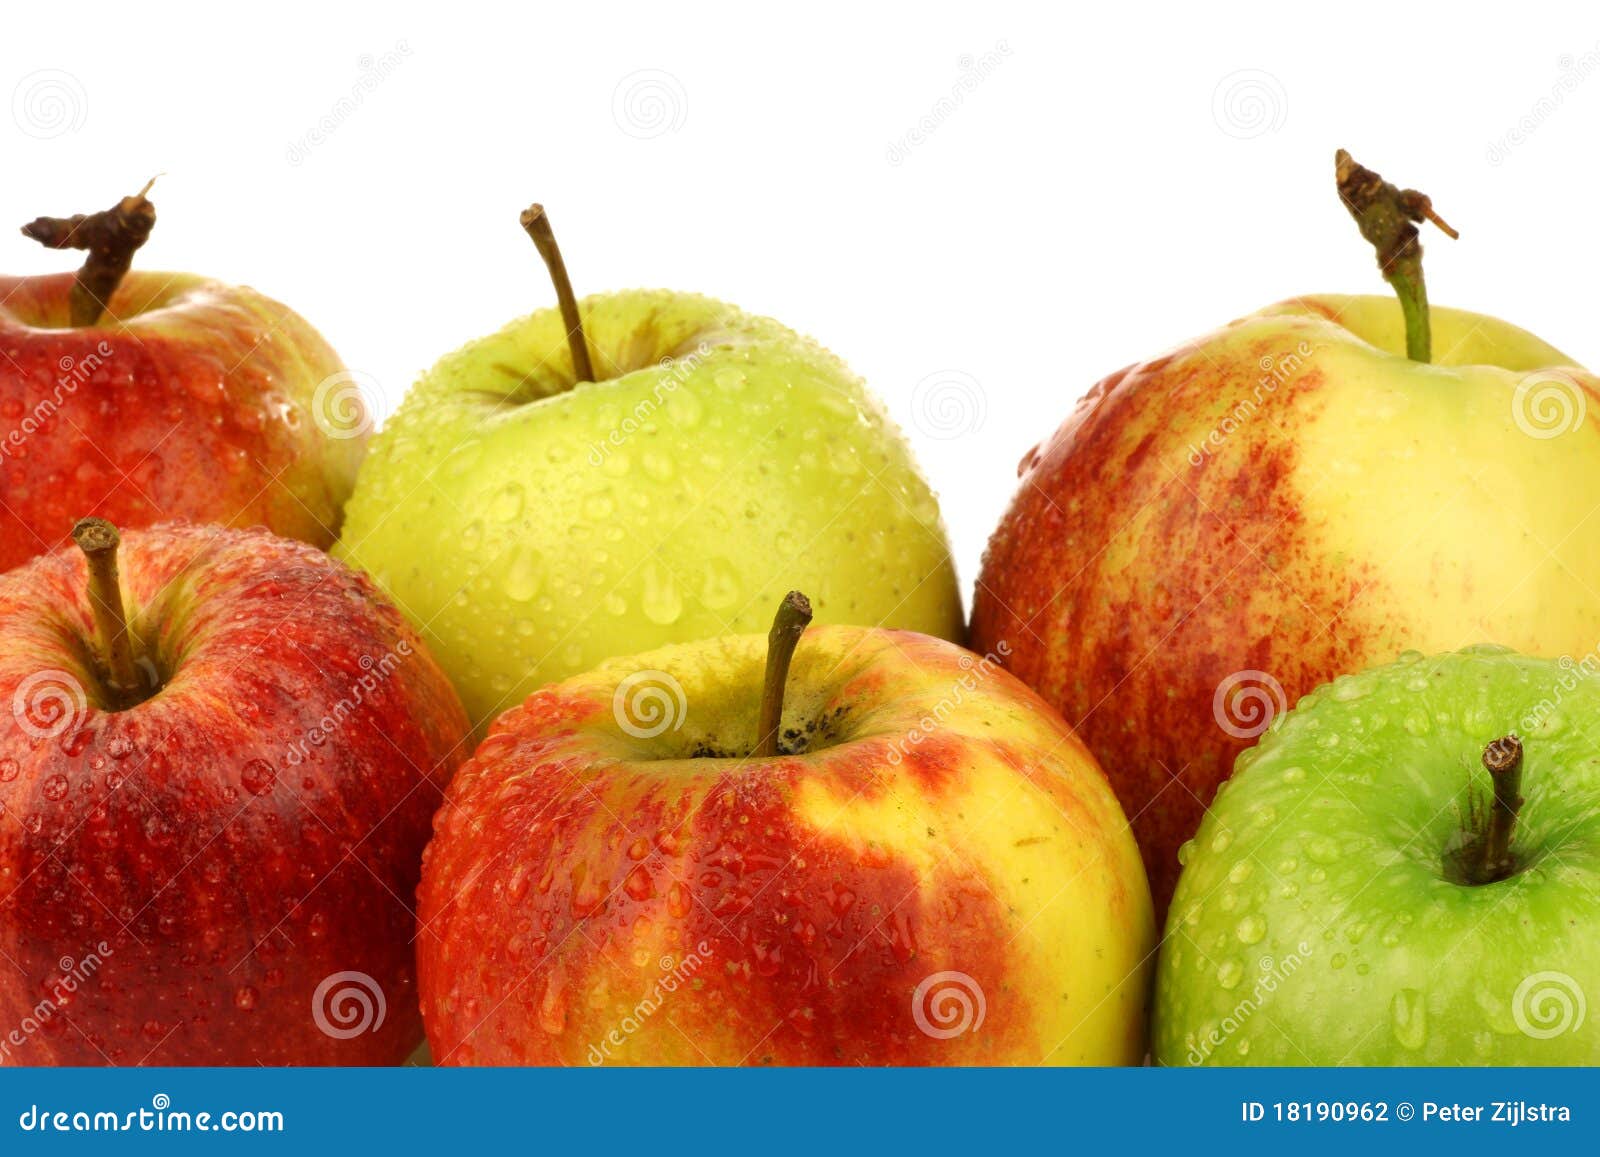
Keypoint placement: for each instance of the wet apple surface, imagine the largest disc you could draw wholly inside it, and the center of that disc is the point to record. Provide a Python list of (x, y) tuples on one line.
[(616, 878), (190, 399), (1324, 916), (187, 860), (534, 524), (1293, 499)]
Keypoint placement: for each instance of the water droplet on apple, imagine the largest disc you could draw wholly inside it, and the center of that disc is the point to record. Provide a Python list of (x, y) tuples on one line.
[(258, 777), (1294, 775), (660, 600), (244, 998), (1408, 1018), (118, 746), (1221, 841), (507, 502), (55, 787), (1185, 850), (525, 575), (1322, 850), (8, 770), (1338, 961), (731, 379), (599, 506), (1250, 929), (721, 588), (1229, 973)]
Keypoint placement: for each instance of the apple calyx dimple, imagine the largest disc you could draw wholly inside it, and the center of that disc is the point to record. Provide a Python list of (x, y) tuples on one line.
[(99, 540), (794, 615), (1387, 217), (111, 236), (536, 222), (1484, 855)]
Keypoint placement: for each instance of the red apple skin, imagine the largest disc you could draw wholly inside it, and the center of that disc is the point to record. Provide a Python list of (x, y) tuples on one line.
[(560, 873), (191, 400), (227, 861)]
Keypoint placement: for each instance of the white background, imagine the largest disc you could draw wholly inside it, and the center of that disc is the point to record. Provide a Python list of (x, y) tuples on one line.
[(1120, 178)]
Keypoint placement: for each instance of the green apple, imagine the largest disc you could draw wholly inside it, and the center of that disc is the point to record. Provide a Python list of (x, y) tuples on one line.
[(1371, 887), (533, 523)]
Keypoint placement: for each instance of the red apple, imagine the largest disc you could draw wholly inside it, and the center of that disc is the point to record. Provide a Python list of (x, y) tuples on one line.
[(928, 869), (185, 399), (212, 812)]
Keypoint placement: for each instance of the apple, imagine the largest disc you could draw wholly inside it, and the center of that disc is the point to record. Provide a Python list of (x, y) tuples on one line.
[(535, 519), (919, 865), (1216, 531), (1363, 892), (216, 778), (178, 398)]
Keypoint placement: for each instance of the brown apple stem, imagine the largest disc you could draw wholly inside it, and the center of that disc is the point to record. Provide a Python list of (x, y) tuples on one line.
[(99, 540), (1503, 758), (111, 236), (537, 224), (1387, 216), (794, 613)]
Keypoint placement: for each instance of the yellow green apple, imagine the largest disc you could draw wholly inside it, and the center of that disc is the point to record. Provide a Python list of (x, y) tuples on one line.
[(534, 522)]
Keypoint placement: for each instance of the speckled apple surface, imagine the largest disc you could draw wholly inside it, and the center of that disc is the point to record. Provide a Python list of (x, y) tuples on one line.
[(1278, 503), (221, 849), (936, 873), (532, 529), (1316, 922), (190, 399)]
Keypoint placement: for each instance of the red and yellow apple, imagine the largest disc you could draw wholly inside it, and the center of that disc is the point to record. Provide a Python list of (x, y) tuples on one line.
[(213, 804), (922, 866), (184, 398), (1215, 532)]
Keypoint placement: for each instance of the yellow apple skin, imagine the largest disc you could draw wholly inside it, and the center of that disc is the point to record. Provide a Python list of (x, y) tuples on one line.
[(532, 528), (938, 852), (1293, 499)]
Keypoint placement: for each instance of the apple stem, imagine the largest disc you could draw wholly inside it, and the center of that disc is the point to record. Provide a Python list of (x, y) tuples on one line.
[(794, 614), (99, 541), (537, 224), (1387, 216), (1503, 758), (111, 236)]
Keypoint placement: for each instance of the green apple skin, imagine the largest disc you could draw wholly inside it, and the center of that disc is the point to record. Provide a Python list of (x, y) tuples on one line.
[(532, 528), (1315, 922)]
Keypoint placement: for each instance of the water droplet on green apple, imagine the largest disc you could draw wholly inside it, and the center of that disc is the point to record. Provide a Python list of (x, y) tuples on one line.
[(615, 604), (1250, 929), (1185, 850), (660, 600), (1322, 850), (1408, 1018), (1338, 960), (1229, 973), (1294, 775), (525, 575), (1221, 841)]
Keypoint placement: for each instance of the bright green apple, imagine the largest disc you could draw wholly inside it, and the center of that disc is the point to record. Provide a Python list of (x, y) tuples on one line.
[(533, 524), (1405, 871)]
